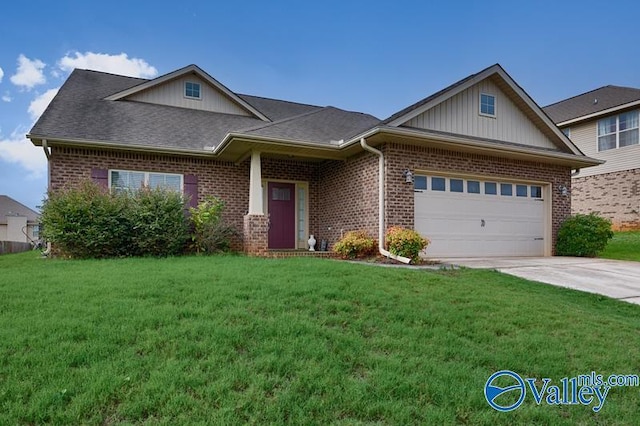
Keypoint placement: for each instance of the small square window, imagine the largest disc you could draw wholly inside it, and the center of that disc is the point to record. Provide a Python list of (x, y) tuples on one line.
[(438, 184), (490, 188), (506, 189), (192, 90), (487, 105), (521, 190), (536, 192), (419, 182), (457, 185), (473, 187)]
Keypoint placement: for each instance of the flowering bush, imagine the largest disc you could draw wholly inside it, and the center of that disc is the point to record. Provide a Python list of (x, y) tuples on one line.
[(355, 244), (405, 242)]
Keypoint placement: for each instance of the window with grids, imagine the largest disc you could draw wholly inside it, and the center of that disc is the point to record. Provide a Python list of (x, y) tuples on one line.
[(487, 105), (192, 90), (127, 180), (618, 131)]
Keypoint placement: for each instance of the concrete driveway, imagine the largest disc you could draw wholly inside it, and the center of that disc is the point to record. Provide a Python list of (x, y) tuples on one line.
[(614, 278)]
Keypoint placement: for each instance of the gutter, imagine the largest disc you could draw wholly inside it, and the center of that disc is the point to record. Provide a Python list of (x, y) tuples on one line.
[(383, 252)]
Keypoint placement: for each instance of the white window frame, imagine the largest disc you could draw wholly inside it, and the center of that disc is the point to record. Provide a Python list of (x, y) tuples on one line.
[(495, 105), (617, 131), (199, 90), (146, 177)]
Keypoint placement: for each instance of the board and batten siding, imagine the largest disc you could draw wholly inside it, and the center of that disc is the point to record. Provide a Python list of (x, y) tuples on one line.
[(460, 114), (172, 94), (585, 137)]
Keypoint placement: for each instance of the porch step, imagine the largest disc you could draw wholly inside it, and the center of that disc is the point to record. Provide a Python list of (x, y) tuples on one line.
[(280, 254)]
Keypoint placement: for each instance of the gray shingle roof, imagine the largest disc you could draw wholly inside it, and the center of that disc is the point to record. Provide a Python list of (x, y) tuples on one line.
[(11, 207), (80, 112), (585, 104)]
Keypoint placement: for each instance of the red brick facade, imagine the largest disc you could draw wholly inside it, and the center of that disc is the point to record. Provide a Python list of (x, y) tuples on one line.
[(615, 196), (343, 195)]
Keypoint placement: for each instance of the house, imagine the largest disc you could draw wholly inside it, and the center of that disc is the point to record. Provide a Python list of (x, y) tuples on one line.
[(478, 168), (603, 124), (18, 223)]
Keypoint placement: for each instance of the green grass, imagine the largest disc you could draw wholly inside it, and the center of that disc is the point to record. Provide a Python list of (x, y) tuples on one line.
[(623, 246), (235, 340)]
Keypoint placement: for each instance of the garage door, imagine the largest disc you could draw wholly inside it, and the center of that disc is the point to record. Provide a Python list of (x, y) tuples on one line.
[(476, 218)]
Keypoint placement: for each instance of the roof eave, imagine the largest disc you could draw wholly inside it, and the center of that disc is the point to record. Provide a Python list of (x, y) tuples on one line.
[(599, 113)]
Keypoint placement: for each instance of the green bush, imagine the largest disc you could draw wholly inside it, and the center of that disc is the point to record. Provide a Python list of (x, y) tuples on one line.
[(90, 222), (355, 244), (583, 235), (87, 222), (211, 233), (405, 242), (159, 227)]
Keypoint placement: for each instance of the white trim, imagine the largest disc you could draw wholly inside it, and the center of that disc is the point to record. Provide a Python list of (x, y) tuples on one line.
[(600, 113)]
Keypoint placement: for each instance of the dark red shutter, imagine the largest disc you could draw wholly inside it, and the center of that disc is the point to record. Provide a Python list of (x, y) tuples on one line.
[(191, 189), (100, 177)]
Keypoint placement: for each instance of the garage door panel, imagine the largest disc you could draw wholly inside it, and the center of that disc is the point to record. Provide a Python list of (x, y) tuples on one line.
[(467, 225)]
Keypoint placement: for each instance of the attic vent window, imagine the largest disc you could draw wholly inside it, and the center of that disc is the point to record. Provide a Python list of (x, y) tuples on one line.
[(192, 90), (487, 105)]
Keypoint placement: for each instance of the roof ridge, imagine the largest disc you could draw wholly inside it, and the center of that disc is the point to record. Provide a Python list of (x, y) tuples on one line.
[(284, 120), (591, 91), (109, 73), (279, 100)]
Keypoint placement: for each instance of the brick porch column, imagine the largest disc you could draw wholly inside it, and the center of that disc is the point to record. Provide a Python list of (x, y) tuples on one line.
[(256, 223)]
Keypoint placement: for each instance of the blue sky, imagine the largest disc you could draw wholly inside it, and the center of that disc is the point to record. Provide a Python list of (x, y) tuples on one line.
[(370, 56)]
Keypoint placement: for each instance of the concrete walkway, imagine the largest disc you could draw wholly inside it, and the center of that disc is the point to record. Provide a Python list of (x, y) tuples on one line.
[(614, 278)]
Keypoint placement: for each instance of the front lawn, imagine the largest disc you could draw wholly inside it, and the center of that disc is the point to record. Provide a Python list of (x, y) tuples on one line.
[(623, 246), (235, 340)]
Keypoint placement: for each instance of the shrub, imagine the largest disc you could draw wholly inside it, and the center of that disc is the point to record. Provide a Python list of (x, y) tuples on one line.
[(405, 242), (87, 222), (159, 227), (583, 235), (211, 233), (90, 222), (355, 244)]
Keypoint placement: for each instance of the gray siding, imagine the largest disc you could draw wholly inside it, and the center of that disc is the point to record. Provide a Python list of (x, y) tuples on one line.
[(585, 137), (460, 115), (172, 93)]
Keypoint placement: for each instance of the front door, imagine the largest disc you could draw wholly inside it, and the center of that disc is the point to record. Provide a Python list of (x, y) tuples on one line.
[(282, 215)]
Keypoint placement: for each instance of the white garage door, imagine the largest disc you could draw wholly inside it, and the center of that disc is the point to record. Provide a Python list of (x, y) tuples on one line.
[(477, 218)]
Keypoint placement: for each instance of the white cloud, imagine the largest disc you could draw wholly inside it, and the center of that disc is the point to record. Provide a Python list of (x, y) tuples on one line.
[(1, 75), (19, 150), (116, 64), (40, 103), (29, 73), (7, 97)]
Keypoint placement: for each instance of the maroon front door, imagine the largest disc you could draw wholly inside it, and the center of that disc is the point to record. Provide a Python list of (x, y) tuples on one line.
[(282, 215)]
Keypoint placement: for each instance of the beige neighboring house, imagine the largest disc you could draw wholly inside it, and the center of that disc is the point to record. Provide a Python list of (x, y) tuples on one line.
[(604, 124), (18, 223)]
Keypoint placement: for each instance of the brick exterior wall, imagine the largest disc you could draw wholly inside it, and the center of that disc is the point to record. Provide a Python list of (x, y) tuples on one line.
[(399, 208), (348, 197), (255, 234), (615, 196)]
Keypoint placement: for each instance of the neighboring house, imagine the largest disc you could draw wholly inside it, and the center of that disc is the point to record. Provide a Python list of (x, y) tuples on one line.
[(477, 168), (603, 124), (18, 223)]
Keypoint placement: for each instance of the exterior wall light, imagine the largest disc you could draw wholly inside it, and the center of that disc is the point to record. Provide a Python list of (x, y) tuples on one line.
[(408, 176), (563, 190)]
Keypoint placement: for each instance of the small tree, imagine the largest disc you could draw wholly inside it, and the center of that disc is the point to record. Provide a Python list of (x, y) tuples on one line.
[(211, 233), (583, 235)]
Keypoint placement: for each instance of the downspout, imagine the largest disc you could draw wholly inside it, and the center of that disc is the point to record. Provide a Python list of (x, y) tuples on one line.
[(383, 252), (47, 152), (45, 147)]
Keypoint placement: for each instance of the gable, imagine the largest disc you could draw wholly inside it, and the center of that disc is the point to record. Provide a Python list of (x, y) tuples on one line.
[(459, 114), (172, 93)]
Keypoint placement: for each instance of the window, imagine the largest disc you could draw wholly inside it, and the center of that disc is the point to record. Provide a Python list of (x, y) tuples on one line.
[(419, 182), (125, 180), (536, 192), (192, 90), (618, 131), (521, 190), (490, 188), (457, 185), (487, 105), (36, 232), (438, 184), (473, 187), (506, 189)]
